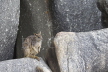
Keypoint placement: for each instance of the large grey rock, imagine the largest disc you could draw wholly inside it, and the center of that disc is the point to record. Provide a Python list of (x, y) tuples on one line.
[(23, 65), (75, 15), (103, 7), (83, 51), (34, 18), (9, 21)]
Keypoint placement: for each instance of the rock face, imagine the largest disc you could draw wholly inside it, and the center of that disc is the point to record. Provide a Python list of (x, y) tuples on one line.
[(103, 7), (9, 21), (34, 18), (75, 15), (83, 51), (23, 65)]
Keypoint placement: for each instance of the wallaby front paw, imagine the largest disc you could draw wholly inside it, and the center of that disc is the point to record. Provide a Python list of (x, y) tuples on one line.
[(37, 58)]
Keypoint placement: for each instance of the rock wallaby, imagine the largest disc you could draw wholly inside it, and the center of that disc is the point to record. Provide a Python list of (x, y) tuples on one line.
[(32, 45)]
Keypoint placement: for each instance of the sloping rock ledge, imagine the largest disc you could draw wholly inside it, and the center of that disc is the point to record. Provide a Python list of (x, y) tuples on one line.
[(24, 65), (83, 51)]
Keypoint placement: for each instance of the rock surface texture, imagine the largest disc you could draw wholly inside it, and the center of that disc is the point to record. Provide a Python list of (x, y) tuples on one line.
[(23, 65), (83, 51), (75, 15), (9, 21)]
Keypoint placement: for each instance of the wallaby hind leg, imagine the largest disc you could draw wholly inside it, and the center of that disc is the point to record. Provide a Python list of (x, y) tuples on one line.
[(35, 57)]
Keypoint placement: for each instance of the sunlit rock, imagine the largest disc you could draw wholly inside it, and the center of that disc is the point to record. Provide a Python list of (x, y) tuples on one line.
[(9, 21), (83, 51)]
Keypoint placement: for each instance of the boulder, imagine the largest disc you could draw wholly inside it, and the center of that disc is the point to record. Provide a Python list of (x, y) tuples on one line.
[(34, 17), (75, 15), (24, 65), (9, 21), (82, 51)]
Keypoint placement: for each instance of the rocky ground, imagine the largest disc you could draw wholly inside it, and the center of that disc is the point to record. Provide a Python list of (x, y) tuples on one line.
[(75, 35)]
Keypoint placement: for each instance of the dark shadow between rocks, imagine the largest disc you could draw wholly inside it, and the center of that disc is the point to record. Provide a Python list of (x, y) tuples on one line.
[(52, 11), (25, 26), (104, 15), (14, 56), (51, 60)]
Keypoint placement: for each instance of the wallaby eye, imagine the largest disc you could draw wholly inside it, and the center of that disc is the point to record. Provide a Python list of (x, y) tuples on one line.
[(38, 36)]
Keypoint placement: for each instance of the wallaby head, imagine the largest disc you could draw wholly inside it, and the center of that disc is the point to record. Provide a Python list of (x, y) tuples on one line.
[(38, 36)]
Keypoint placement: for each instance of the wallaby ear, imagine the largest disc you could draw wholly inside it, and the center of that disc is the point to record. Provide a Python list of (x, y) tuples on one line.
[(40, 33), (35, 34)]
